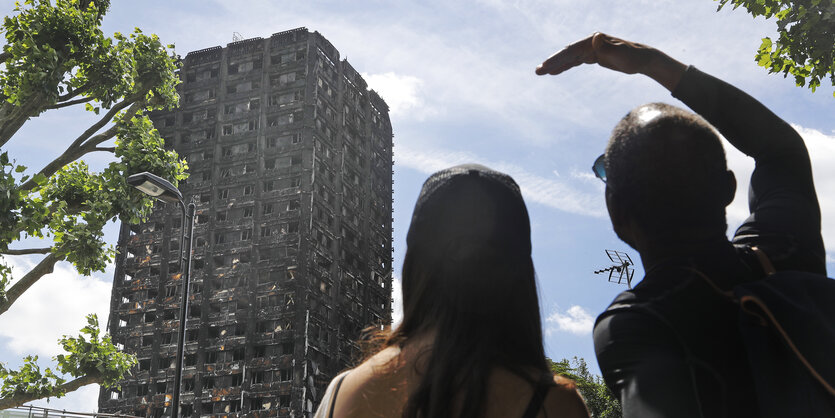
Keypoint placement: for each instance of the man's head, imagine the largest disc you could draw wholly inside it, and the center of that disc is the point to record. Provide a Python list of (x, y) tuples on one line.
[(666, 171)]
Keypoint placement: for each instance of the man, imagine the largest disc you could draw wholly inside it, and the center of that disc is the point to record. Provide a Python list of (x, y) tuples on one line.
[(670, 346)]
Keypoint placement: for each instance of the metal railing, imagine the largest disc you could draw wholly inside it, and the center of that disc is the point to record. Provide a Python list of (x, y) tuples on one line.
[(29, 411)]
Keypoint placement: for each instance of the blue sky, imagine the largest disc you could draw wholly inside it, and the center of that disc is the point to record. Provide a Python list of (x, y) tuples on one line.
[(459, 79)]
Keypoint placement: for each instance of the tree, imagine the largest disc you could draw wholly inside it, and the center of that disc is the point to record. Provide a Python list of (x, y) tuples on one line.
[(805, 47), (56, 56), (600, 400)]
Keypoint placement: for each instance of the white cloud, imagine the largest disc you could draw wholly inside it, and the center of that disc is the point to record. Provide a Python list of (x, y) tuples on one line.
[(576, 320), (742, 166), (402, 93), (556, 193), (585, 175), (397, 302), (54, 306)]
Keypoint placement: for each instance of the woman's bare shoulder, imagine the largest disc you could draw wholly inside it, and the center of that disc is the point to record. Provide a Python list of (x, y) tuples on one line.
[(375, 367), (367, 390), (565, 399)]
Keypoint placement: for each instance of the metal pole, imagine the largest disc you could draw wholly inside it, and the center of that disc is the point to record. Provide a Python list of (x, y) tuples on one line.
[(185, 267)]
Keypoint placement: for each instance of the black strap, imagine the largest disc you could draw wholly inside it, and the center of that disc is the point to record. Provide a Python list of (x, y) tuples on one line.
[(335, 391), (538, 398)]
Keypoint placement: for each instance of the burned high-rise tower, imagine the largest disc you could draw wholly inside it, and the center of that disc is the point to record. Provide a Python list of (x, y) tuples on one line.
[(290, 158)]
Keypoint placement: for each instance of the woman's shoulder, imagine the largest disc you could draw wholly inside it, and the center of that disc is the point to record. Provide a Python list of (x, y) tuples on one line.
[(565, 398), (367, 390), (378, 366)]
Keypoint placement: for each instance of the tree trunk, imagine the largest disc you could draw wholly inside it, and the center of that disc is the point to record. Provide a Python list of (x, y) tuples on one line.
[(18, 400), (43, 268)]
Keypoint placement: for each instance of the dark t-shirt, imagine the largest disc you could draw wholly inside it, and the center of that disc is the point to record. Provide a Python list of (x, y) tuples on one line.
[(648, 362)]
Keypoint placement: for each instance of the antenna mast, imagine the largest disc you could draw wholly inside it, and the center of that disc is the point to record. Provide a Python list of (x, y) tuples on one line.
[(622, 266)]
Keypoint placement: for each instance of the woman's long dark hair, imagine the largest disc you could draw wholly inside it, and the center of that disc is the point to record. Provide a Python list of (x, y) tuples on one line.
[(468, 277)]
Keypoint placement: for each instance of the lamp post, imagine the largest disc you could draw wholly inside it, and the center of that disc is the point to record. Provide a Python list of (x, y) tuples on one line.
[(160, 189)]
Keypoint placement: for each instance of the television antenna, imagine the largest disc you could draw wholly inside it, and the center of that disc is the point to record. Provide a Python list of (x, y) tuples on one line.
[(236, 36), (622, 268)]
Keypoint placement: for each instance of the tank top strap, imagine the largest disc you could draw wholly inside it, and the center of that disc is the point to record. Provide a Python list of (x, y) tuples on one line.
[(540, 391), (335, 391)]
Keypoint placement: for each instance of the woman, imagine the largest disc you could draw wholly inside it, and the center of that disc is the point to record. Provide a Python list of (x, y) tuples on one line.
[(470, 343)]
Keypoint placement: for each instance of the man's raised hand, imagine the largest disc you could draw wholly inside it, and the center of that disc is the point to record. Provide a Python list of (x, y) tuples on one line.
[(616, 54)]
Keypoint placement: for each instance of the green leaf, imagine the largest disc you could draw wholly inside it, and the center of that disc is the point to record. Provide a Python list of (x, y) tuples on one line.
[(40, 179), (805, 39)]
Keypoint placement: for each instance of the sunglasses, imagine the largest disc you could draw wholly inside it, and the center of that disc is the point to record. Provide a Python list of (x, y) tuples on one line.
[(599, 167)]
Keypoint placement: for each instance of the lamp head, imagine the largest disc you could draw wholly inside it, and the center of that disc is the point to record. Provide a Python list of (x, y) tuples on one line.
[(156, 187)]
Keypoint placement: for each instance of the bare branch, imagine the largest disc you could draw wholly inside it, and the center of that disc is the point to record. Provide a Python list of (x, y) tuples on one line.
[(106, 149), (103, 121), (69, 156), (75, 384), (73, 93), (41, 269), (80, 147), (70, 103), (26, 251)]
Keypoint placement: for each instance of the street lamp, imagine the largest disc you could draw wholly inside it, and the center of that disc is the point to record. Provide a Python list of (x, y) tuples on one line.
[(160, 189)]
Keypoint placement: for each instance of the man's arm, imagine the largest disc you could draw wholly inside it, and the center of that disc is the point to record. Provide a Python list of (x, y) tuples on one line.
[(785, 219), (785, 214)]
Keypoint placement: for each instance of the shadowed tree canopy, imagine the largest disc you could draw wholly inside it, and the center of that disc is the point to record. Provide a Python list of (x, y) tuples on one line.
[(56, 56), (805, 43)]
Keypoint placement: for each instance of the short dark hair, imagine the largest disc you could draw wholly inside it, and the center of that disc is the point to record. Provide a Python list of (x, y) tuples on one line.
[(663, 164)]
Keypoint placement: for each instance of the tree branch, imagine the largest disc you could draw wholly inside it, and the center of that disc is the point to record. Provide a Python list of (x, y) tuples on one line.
[(75, 384), (76, 92), (4, 56), (70, 103), (106, 149), (12, 117), (103, 121), (28, 251), (80, 147), (43, 268)]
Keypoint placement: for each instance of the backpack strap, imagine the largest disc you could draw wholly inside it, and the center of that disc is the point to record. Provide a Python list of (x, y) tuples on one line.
[(757, 308), (765, 263)]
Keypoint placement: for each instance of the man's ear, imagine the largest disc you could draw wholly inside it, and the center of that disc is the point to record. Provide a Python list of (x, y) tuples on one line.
[(729, 188)]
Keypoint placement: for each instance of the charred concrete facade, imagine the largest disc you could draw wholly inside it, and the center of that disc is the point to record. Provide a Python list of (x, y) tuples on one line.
[(290, 158)]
